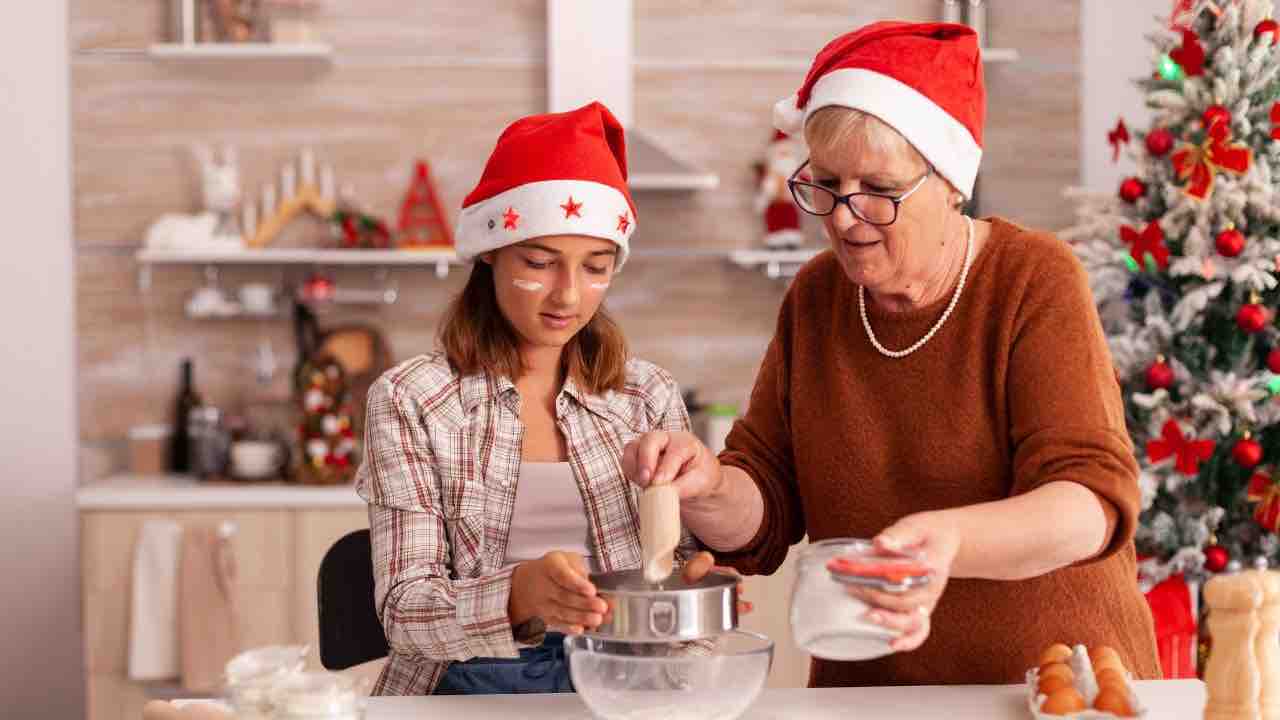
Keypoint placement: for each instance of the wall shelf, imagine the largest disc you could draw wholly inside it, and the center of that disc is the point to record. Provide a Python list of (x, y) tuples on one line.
[(205, 52), (441, 259), (775, 263)]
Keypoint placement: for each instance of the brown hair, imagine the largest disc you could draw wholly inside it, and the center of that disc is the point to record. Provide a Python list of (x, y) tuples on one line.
[(477, 338)]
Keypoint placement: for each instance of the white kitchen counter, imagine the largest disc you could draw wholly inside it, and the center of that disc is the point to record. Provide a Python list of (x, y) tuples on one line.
[(178, 492), (1164, 699)]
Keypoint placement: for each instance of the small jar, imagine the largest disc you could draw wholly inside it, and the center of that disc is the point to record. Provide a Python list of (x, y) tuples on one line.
[(317, 696), (826, 621), (210, 442), (714, 422)]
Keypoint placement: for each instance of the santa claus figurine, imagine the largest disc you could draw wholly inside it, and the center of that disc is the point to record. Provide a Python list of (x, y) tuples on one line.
[(773, 198)]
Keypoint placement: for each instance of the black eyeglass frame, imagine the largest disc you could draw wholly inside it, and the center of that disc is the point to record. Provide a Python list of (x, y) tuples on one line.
[(847, 200)]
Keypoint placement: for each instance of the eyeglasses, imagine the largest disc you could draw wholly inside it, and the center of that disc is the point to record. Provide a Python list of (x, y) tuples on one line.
[(869, 207)]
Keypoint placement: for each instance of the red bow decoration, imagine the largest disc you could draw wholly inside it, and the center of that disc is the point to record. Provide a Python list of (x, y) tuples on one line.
[(1191, 55), (1275, 121), (1118, 137), (1264, 491), (1217, 153), (1190, 453), (1151, 240), (1181, 16)]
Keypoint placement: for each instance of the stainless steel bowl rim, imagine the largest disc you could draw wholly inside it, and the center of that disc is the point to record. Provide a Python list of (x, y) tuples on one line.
[(712, 582)]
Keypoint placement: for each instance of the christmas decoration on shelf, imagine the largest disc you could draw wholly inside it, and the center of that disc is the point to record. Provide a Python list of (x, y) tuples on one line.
[(1186, 278), (422, 220), (356, 230), (217, 227), (325, 434), (773, 199), (298, 192)]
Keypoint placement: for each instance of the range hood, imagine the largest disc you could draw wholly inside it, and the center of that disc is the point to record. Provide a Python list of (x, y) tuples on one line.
[(590, 44)]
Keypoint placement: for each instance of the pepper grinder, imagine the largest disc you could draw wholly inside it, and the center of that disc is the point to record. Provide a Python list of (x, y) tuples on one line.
[(1231, 679), (976, 18), (1267, 649)]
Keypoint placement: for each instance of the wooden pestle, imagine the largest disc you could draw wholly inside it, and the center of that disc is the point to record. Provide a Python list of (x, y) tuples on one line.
[(659, 531)]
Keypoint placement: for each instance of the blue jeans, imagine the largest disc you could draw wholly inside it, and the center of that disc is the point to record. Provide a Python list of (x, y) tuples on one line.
[(542, 669)]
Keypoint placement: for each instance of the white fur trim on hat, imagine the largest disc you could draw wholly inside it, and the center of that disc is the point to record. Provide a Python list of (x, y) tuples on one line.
[(943, 140), (542, 208)]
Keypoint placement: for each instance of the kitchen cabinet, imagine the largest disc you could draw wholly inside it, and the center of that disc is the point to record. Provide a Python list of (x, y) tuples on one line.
[(281, 534)]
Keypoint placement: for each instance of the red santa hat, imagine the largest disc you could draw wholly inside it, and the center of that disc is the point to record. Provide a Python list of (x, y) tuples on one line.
[(923, 79), (555, 174)]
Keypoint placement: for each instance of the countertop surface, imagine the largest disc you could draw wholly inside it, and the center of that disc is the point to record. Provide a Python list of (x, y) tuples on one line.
[(177, 492), (1164, 700)]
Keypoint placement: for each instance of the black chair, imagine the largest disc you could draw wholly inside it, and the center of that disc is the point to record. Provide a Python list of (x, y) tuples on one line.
[(350, 632)]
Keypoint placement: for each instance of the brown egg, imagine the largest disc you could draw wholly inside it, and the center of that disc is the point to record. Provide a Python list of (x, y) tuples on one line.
[(1114, 701), (1104, 653), (1055, 654), (1053, 683), (1111, 677), (1057, 670), (1066, 700)]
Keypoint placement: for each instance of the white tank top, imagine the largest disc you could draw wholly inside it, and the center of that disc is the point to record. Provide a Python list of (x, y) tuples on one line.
[(549, 515)]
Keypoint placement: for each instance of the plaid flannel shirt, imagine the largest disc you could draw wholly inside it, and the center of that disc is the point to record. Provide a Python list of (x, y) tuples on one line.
[(440, 468)]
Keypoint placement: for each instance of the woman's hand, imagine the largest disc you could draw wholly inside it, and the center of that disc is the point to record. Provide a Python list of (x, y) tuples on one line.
[(556, 588), (660, 457), (701, 564), (937, 540)]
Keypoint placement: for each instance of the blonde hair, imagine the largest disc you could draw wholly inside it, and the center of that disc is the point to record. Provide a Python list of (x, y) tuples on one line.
[(832, 127)]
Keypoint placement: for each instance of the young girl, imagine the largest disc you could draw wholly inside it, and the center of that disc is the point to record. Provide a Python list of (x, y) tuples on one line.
[(493, 469)]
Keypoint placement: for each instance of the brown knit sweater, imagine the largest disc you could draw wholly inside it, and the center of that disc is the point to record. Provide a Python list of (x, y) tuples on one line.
[(1016, 390)]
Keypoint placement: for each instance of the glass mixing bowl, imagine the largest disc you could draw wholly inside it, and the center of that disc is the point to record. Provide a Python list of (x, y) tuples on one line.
[(713, 679)]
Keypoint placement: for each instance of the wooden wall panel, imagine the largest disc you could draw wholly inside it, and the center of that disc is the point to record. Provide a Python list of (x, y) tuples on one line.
[(440, 80)]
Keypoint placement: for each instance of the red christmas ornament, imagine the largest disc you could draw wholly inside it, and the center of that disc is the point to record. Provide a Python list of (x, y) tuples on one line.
[(1132, 189), (1215, 114), (1268, 26), (1230, 242), (1247, 452), (1159, 375), (1251, 318), (1273, 360), (1216, 558), (1159, 141)]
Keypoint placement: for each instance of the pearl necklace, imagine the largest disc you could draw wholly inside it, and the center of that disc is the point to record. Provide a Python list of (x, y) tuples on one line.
[(955, 298)]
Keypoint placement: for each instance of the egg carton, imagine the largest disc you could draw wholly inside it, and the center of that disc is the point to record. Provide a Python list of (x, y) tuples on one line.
[(1087, 683)]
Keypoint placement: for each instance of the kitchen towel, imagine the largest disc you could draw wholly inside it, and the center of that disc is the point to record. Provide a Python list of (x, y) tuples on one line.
[(153, 618), (208, 621)]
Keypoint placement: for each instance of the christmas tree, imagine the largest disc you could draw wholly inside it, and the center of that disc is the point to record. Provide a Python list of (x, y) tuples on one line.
[(1184, 262)]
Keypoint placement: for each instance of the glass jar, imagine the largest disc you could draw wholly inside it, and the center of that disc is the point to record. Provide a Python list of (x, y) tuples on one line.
[(210, 442), (826, 621), (317, 696)]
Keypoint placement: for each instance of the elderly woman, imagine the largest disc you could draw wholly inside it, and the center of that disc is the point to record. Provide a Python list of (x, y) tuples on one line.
[(936, 382)]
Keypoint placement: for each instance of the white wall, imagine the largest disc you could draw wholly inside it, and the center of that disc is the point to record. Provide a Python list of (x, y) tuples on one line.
[(41, 672), (1113, 53)]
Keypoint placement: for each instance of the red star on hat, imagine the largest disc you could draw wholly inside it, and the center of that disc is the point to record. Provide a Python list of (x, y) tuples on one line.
[(571, 208), (623, 222), (510, 218)]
